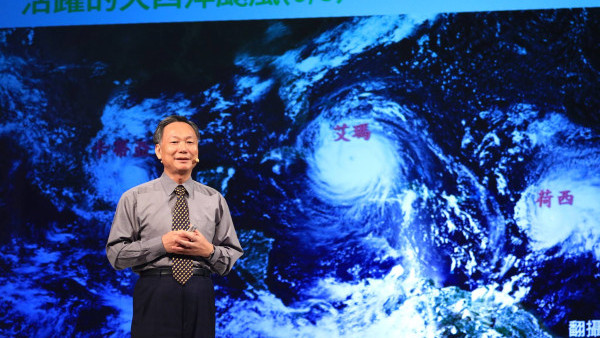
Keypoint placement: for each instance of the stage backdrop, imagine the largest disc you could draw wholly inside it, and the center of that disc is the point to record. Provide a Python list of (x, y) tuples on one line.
[(401, 175)]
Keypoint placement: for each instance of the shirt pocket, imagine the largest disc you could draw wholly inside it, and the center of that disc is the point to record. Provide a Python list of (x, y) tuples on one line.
[(205, 220)]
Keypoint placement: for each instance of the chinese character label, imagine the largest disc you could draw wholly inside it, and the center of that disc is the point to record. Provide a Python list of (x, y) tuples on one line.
[(545, 198), (565, 198), (593, 328), (78, 6), (121, 148), (359, 131), (341, 132), (362, 131), (581, 328), (576, 328)]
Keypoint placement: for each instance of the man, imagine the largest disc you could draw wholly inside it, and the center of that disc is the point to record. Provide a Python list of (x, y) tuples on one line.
[(174, 232)]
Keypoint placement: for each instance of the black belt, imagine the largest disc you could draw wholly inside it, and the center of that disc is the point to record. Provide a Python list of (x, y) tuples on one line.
[(169, 271)]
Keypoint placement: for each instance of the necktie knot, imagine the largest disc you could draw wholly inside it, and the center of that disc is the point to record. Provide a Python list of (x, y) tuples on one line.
[(180, 190)]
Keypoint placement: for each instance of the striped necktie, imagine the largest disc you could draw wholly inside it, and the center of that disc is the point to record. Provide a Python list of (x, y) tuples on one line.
[(182, 266)]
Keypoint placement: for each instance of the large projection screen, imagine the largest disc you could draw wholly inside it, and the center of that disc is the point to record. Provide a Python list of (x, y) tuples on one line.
[(426, 174)]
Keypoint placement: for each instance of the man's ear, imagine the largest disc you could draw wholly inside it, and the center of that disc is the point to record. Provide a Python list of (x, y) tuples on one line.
[(157, 151)]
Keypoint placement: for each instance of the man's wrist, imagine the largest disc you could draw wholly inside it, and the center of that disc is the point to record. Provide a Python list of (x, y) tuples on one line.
[(211, 253)]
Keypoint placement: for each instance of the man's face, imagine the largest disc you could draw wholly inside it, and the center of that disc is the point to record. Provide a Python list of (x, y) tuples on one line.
[(178, 149)]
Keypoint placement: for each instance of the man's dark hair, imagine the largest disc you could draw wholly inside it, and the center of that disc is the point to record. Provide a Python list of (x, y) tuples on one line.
[(158, 133)]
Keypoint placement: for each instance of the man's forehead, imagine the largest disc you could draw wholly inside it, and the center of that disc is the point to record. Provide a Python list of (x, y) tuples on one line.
[(181, 135), (179, 129)]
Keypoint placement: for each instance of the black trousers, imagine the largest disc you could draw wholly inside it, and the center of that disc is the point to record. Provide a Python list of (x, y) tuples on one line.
[(164, 308)]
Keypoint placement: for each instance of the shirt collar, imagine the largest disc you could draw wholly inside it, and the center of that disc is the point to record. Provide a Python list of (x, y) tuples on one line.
[(169, 185)]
